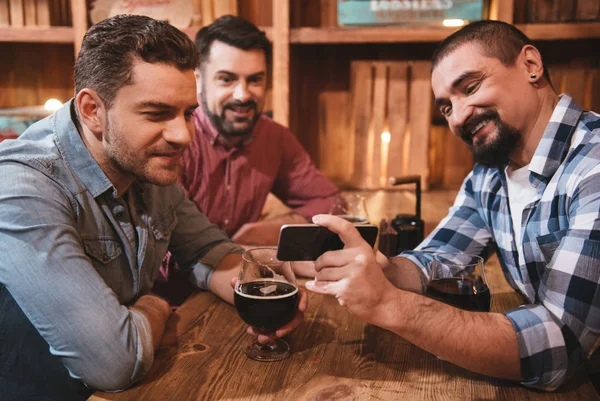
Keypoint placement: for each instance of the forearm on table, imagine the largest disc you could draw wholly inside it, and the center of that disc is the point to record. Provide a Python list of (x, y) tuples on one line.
[(157, 311), (404, 274), (481, 342)]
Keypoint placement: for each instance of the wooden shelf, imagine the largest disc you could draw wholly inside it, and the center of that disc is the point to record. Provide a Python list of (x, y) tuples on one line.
[(554, 31), (193, 30), (561, 31), (55, 34), (369, 34)]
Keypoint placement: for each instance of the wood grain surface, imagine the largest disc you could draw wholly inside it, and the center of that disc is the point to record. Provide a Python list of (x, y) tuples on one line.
[(335, 357)]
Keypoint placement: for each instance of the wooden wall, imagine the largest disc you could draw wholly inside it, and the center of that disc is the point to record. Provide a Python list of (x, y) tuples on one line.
[(324, 69), (30, 73)]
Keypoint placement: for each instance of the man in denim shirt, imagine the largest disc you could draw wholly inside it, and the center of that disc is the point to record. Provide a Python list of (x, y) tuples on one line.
[(89, 206), (533, 197)]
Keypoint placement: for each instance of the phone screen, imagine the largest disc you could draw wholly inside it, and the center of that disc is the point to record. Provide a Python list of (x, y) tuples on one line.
[(302, 242)]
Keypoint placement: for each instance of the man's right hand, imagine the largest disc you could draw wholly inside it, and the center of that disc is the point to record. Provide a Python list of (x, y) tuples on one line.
[(354, 274)]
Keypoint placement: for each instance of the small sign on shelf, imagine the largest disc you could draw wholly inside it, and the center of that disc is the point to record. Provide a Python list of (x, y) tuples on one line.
[(409, 12)]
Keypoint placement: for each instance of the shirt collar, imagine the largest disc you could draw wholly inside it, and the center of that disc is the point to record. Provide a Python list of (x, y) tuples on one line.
[(76, 154), (556, 140), (205, 126)]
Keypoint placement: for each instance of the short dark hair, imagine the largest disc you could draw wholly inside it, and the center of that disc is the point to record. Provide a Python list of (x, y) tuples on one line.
[(495, 39), (110, 48), (234, 31)]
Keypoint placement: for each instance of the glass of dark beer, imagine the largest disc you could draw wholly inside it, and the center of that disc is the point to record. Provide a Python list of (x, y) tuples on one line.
[(266, 297), (352, 208), (458, 279)]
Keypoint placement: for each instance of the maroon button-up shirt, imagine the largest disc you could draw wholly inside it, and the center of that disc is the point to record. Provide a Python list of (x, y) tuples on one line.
[(230, 184)]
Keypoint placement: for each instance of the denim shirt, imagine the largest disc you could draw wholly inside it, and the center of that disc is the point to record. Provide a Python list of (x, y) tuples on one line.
[(73, 255)]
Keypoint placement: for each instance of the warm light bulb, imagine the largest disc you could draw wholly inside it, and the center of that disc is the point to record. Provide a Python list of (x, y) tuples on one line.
[(52, 105), (386, 137), (453, 22)]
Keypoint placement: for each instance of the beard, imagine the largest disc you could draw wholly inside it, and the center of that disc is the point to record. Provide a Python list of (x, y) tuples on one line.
[(226, 127), (493, 151)]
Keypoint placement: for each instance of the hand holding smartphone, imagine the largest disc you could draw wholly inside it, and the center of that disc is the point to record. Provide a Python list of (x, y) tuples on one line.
[(304, 242)]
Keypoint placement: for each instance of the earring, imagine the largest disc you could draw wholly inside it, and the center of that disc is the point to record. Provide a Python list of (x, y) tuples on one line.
[(533, 76)]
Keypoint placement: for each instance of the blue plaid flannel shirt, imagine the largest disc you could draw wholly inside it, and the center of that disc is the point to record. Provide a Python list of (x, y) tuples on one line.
[(558, 328)]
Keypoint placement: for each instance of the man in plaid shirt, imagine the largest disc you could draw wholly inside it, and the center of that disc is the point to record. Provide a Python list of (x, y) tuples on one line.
[(533, 197)]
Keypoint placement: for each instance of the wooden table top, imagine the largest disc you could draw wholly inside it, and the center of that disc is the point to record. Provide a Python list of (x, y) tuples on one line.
[(334, 357)]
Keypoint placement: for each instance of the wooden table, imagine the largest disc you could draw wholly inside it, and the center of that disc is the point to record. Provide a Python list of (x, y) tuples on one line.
[(335, 357)]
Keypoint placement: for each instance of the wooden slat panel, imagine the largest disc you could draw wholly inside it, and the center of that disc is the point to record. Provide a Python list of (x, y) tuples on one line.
[(207, 12), (328, 13), (43, 13), (502, 10), (557, 78), (17, 17), (64, 13), (574, 84), (260, 12), (587, 9), (4, 13), (29, 12), (566, 10), (32, 73), (80, 26), (281, 62), (594, 91), (362, 92), (397, 118), (420, 119), (224, 7), (520, 11), (336, 150), (378, 124)]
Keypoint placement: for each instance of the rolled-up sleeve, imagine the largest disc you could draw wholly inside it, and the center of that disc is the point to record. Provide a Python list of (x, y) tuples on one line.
[(462, 230), (46, 270), (197, 244)]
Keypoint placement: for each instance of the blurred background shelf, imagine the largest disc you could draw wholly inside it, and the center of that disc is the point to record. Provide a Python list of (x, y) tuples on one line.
[(324, 78), (57, 34), (315, 35), (543, 31), (561, 31)]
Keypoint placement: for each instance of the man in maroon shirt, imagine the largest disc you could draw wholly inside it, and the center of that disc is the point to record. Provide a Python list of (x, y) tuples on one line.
[(239, 155)]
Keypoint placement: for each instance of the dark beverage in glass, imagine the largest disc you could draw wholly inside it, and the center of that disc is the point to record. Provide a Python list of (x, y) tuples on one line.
[(354, 219), (266, 305), (266, 297), (467, 292)]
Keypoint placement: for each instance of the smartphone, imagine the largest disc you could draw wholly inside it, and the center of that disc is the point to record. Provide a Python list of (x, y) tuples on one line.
[(300, 242)]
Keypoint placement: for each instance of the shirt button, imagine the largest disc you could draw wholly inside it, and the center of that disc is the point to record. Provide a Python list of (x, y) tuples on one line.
[(226, 221), (118, 211), (105, 258), (228, 187)]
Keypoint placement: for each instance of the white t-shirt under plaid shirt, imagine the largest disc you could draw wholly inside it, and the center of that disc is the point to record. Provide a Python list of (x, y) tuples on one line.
[(558, 327)]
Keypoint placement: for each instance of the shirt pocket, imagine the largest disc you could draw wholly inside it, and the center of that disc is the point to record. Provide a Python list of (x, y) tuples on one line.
[(549, 243), (102, 249), (163, 225)]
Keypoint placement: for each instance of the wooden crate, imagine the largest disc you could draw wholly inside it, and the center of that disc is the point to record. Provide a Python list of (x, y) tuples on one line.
[(387, 98)]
